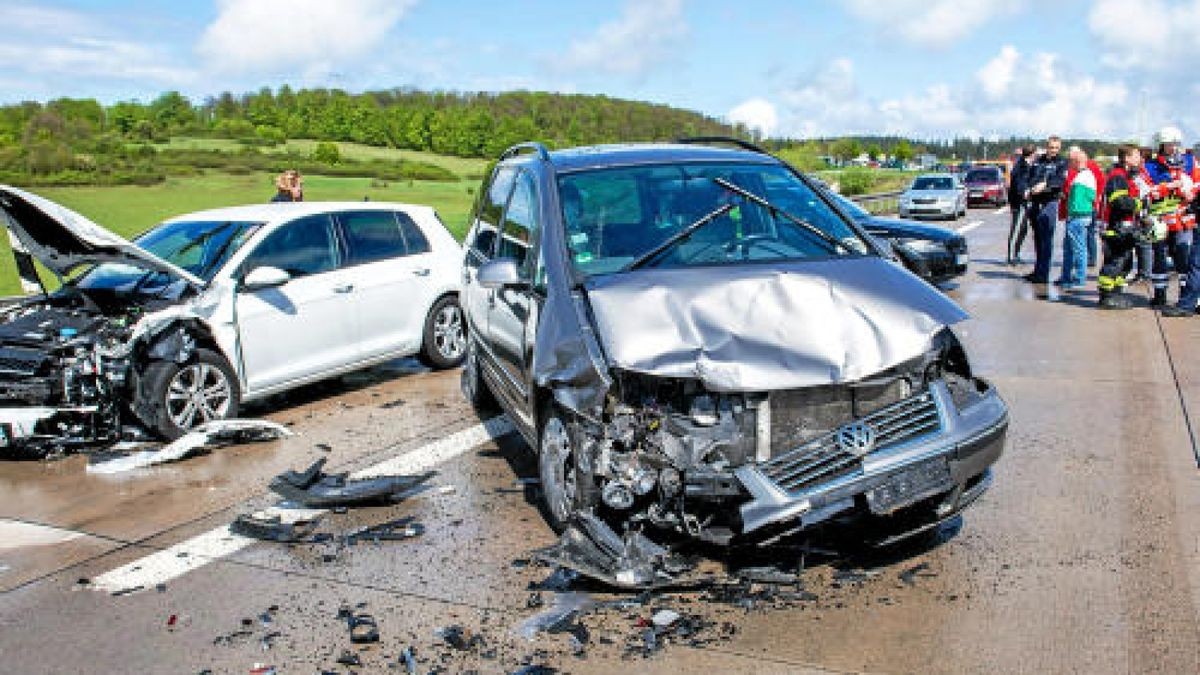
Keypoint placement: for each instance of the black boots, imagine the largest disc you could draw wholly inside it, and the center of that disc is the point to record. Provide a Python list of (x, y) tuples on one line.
[(1114, 300)]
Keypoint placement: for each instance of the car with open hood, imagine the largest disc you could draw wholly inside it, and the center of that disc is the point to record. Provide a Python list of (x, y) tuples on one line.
[(934, 195), (934, 253), (697, 343), (210, 310)]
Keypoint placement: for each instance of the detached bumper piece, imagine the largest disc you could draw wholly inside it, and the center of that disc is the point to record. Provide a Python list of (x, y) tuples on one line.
[(274, 528), (315, 489), (594, 550)]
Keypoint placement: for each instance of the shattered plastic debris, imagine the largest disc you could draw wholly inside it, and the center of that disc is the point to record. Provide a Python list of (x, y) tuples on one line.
[(349, 658), (262, 669), (767, 575), (591, 548), (273, 528), (561, 617), (215, 434), (909, 576), (395, 530), (314, 488)]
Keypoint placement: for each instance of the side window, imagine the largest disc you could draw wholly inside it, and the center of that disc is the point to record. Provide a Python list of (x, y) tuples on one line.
[(417, 243), (302, 247), (372, 236), (520, 223), (491, 206)]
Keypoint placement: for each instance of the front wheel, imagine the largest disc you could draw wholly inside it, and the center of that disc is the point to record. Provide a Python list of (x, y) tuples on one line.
[(444, 342), (566, 487), (177, 397)]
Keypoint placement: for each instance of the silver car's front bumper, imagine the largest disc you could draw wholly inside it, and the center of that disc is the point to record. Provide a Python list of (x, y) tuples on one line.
[(940, 209), (947, 454)]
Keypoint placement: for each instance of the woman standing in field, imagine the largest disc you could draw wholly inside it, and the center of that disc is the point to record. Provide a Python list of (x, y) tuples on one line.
[(289, 187)]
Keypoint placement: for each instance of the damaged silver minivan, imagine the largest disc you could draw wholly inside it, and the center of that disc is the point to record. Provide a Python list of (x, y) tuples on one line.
[(696, 341)]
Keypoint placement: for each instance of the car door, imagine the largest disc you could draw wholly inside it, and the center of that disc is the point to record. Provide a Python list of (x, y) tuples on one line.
[(390, 297), (514, 311), (481, 246), (305, 327)]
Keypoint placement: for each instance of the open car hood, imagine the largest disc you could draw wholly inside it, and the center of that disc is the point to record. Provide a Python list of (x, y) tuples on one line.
[(64, 241), (768, 327)]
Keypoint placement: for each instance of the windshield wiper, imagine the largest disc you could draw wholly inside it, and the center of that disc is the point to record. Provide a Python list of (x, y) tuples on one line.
[(807, 226), (678, 237)]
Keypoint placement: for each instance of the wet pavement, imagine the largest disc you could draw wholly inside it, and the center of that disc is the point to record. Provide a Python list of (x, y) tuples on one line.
[(1083, 557)]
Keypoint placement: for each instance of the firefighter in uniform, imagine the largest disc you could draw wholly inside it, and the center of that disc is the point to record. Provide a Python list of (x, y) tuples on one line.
[(1123, 226), (1168, 201)]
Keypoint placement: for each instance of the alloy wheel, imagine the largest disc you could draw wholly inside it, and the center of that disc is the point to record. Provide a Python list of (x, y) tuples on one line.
[(198, 393), (557, 465), (449, 338)]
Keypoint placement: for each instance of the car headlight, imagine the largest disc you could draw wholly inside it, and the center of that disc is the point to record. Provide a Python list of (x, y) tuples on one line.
[(921, 245)]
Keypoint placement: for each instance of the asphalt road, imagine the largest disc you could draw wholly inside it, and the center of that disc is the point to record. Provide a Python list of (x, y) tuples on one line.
[(1084, 556)]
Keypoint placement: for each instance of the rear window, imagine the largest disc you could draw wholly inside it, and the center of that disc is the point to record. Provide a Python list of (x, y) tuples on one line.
[(372, 236)]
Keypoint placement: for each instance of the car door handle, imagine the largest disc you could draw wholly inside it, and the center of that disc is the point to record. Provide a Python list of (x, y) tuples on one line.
[(343, 288), (423, 272)]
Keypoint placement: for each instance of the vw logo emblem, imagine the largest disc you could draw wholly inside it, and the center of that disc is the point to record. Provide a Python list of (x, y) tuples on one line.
[(856, 438)]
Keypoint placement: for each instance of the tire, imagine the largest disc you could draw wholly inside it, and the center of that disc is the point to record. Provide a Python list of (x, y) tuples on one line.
[(444, 340), (474, 388), (565, 489), (164, 388)]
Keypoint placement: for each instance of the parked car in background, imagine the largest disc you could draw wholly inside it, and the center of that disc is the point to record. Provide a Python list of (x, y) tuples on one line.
[(985, 185), (209, 310), (934, 253), (696, 343), (934, 195)]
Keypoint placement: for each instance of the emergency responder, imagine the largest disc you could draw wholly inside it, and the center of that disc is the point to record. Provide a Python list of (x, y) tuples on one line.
[(1046, 180), (1121, 215), (1171, 172)]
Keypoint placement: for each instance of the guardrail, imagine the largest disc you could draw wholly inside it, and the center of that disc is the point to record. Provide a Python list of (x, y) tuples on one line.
[(879, 202)]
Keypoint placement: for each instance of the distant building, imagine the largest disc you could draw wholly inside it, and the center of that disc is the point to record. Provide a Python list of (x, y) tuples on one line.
[(927, 161)]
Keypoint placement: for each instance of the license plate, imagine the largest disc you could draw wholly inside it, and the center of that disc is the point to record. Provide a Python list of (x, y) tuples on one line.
[(910, 486), (976, 193), (961, 259)]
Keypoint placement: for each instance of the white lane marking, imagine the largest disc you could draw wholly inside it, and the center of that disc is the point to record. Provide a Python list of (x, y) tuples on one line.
[(15, 534), (1002, 209), (175, 561), (969, 226)]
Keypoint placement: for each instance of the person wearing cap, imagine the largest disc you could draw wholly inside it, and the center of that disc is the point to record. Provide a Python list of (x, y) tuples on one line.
[(1171, 172)]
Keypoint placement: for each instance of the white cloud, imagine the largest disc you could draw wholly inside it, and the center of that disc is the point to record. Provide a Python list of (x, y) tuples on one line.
[(300, 37), (642, 38), (67, 52), (930, 23), (1011, 93), (1148, 35), (756, 114)]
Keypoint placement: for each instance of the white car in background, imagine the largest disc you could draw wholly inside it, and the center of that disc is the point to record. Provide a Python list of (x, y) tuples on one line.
[(936, 195), (212, 309)]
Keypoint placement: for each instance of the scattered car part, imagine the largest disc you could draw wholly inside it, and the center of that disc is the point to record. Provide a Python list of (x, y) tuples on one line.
[(396, 530), (316, 489), (215, 434), (363, 629), (274, 528), (591, 548)]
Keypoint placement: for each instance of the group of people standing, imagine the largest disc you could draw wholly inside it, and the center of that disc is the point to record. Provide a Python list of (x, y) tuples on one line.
[(1143, 209)]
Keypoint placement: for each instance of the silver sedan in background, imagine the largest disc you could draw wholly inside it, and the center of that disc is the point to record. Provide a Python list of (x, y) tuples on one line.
[(934, 195)]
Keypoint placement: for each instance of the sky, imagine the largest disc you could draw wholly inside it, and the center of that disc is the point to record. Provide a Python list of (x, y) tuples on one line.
[(1113, 69)]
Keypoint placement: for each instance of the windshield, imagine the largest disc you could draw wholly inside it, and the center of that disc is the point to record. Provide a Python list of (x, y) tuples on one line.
[(933, 183), (849, 206), (615, 217), (982, 176), (200, 247)]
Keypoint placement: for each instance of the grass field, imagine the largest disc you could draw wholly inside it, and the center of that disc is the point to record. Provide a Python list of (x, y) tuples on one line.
[(130, 210)]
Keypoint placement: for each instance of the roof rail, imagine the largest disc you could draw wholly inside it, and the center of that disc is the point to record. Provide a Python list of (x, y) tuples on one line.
[(534, 146), (728, 140)]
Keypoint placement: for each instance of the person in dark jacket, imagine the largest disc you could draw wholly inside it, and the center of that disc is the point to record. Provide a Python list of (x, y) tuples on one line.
[(1046, 180), (1017, 184), (1121, 209)]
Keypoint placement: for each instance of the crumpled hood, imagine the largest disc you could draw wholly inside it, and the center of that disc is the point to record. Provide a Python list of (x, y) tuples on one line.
[(63, 240), (767, 327)]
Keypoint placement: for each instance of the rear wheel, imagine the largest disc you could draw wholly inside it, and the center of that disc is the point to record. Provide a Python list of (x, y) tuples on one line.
[(177, 397), (444, 343), (474, 388)]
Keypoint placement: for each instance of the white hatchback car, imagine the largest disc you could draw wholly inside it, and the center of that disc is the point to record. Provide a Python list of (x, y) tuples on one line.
[(212, 309)]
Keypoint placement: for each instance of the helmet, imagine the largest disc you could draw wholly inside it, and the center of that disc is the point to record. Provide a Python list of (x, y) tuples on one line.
[(1169, 135)]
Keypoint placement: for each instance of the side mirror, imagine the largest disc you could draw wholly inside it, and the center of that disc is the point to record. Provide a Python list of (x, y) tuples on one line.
[(499, 273), (264, 277)]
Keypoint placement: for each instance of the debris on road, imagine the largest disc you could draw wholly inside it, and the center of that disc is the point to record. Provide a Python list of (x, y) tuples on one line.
[(395, 530), (274, 528), (316, 489), (204, 438), (591, 548), (909, 576)]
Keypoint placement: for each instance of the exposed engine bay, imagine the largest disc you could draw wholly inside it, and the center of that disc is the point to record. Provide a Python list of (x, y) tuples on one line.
[(66, 371), (666, 451)]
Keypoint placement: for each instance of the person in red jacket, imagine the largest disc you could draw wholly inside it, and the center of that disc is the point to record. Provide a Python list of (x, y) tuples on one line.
[(1121, 214), (1171, 172)]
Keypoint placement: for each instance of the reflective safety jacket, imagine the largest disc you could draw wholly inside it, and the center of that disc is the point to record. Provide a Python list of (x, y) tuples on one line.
[(1170, 203)]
